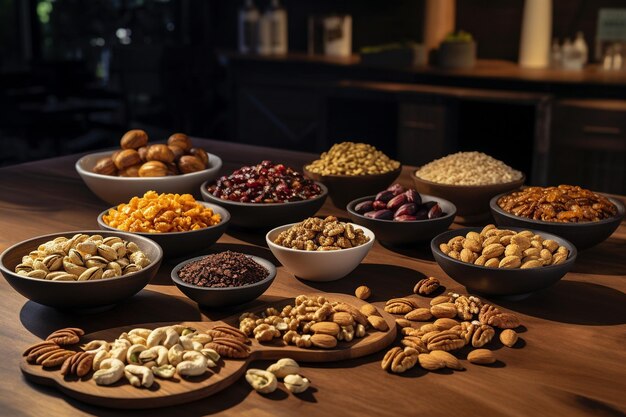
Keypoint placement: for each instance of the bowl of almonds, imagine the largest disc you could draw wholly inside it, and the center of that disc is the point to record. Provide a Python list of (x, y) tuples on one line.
[(505, 262), (172, 167), (81, 270)]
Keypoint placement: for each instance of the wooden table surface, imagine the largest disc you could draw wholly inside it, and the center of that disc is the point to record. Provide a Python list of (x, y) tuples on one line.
[(572, 361)]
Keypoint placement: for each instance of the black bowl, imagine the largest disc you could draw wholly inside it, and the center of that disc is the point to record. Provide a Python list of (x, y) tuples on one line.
[(222, 297), (267, 215), (79, 295), (582, 235), (177, 244), (495, 281), (402, 233), (345, 188)]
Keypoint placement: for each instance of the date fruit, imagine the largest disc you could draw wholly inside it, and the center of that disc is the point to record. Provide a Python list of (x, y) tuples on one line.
[(380, 214), (396, 202), (399, 204), (406, 209), (364, 206), (384, 196)]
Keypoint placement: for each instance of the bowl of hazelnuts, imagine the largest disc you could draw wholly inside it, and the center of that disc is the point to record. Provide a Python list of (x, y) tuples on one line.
[(173, 167)]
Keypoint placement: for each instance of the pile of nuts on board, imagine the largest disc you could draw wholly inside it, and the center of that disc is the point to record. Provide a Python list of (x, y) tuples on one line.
[(161, 213), (266, 381), (312, 322), (399, 204), (138, 159), (315, 234), (501, 248), (225, 269), (349, 158), (83, 258), (140, 354), (565, 203), (265, 183), (468, 168), (459, 321)]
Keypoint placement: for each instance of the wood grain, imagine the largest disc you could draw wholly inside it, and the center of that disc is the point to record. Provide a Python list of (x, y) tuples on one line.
[(166, 393), (571, 360)]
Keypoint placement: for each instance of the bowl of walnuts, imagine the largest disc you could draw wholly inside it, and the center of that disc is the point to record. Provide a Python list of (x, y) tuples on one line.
[(173, 167)]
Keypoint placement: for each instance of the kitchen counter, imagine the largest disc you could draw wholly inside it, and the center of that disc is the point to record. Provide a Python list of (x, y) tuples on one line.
[(571, 360)]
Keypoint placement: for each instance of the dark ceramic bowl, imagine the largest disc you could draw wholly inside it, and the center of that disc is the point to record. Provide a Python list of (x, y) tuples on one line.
[(79, 295), (471, 201), (267, 215), (183, 243), (344, 188), (403, 233), (501, 282), (583, 235), (222, 297)]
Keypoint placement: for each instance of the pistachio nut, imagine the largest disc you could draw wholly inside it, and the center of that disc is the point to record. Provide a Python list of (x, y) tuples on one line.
[(164, 371), (296, 384), (91, 274), (263, 382)]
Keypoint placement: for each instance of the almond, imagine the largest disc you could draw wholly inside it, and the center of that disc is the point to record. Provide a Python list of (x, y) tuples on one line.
[(343, 318), (508, 337), (378, 323), (440, 299), (481, 357), (326, 327), (324, 341), (430, 362), (445, 323), (363, 292), (493, 251), (419, 314), (402, 323), (443, 310), (449, 359), (369, 310), (510, 262)]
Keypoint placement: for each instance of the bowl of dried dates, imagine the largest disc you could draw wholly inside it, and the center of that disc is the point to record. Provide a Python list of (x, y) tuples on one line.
[(86, 270), (401, 216), (508, 261), (319, 249), (583, 217), (173, 167), (224, 279), (265, 195)]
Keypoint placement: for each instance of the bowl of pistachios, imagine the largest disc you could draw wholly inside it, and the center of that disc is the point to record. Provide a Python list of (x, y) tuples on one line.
[(87, 270)]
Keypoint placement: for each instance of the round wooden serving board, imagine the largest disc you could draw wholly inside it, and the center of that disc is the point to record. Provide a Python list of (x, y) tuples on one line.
[(178, 390)]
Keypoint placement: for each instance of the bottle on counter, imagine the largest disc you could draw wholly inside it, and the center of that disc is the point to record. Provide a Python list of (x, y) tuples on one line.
[(572, 56), (581, 47), (278, 28), (556, 55), (618, 58), (264, 45), (248, 27)]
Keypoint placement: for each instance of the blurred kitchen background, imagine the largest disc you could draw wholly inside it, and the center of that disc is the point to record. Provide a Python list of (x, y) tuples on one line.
[(75, 75)]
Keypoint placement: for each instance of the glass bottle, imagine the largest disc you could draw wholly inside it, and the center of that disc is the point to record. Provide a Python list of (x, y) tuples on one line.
[(248, 27)]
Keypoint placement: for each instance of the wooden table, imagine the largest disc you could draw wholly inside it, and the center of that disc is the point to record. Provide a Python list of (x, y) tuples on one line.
[(572, 361)]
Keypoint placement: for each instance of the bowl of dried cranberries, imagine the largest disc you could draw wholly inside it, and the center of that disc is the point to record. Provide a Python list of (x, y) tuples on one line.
[(265, 195)]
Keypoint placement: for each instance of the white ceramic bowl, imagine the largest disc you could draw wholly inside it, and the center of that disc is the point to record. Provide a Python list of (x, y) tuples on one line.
[(322, 265), (116, 190)]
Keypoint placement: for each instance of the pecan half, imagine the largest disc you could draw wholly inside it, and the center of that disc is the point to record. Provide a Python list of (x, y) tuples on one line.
[(404, 360), (229, 347), (482, 335), (467, 306), (414, 342), (400, 305), (388, 358), (492, 316), (446, 340), (67, 336), (426, 286), (229, 332)]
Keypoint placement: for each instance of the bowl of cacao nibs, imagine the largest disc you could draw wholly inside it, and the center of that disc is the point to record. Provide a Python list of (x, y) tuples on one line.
[(224, 279), (402, 216), (265, 195)]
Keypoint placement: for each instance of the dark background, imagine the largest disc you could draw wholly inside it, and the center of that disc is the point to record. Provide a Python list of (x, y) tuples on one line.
[(58, 95)]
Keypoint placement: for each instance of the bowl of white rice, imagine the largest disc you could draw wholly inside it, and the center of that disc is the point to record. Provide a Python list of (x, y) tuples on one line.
[(469, 180)]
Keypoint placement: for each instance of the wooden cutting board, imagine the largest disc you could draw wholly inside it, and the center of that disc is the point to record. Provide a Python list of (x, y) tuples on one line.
[(178, 390)]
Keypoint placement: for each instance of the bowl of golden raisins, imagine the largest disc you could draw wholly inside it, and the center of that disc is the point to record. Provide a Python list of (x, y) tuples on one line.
[(173, 167)]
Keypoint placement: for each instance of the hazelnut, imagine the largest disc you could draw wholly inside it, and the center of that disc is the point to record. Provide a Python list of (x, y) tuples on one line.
[(153, 169), (143, 151), (105, 166), (190, 163), (200, 154), (134, 139), (127, 158), (159, 152), (130, 171), (177, 151), (181, 140), (172, 169)]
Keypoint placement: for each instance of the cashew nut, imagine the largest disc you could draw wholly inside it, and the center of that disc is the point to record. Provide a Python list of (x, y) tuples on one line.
[(193, 364), (156, 337), (262, 381), (164, 371), (98, 358), (133, 338), (132, 355), (119, 349), (284, 367), (175, 354), (134, 372), (111, 371), (157, 354), (190, 344), (211, 354), (171, 337), (296, 384), (95, 346), (202, 338), (141, 332)]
